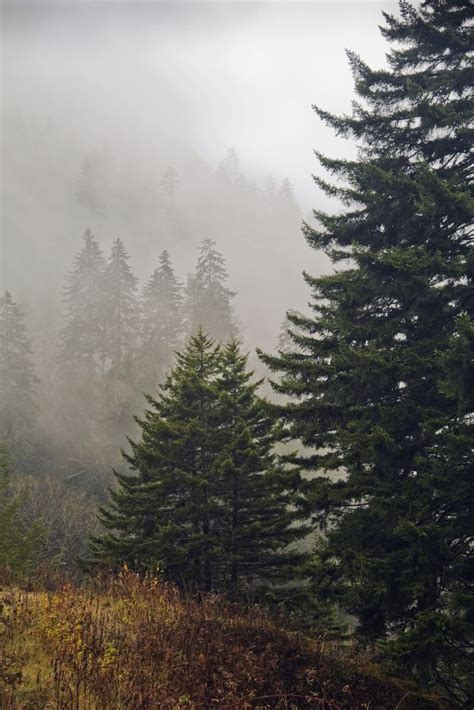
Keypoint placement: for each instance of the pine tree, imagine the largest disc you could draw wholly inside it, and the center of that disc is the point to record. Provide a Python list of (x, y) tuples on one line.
[(162, 516), (80, 383), (258, 523), (162, 322), (208, 300), (121, 309), (18, 407), (121, 315), (208, 503), (82, 338), (381, 377), (285, 340)]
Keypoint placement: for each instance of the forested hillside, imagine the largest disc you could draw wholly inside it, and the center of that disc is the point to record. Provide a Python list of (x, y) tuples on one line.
[(211, 494)]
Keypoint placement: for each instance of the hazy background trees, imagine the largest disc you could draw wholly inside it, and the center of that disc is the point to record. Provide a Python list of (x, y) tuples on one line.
[(18, 384), (115, 341)]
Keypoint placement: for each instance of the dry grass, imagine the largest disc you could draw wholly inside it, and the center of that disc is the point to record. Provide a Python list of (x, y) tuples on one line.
[(137, 643)]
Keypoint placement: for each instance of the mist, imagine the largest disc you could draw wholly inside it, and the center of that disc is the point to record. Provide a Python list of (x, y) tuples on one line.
[(162, 125), (137, 87)]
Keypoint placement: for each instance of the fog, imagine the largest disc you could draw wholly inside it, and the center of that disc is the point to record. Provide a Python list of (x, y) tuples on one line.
[(161, 124), (145, 85)]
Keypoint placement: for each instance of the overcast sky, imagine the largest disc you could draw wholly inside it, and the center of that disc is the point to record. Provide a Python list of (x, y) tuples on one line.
[(210, 75)]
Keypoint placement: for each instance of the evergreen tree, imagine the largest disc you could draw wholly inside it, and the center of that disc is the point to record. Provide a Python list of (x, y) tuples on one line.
[(162, 321), (285, 341), (381, 371), (82, 338), (17, 382), (80, 383), (208, 300), (121, 310), (162, 516), (208, 504), (121, 314), (258, 523)]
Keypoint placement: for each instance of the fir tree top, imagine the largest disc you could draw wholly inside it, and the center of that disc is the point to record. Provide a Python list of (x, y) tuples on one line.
[(121, 311), (208, 300), (82, 336), (162, 308), (18, 382)]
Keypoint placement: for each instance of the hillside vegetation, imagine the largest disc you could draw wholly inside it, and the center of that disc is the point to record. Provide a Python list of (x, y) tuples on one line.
[(138, 643)]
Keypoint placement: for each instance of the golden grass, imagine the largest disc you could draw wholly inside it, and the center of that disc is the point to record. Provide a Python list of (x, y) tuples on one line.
[(137, 643)]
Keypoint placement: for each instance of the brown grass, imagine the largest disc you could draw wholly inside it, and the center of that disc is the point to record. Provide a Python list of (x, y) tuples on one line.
[(137, 643)]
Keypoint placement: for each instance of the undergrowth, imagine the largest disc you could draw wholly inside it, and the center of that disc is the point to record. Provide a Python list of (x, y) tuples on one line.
[(138, 643)]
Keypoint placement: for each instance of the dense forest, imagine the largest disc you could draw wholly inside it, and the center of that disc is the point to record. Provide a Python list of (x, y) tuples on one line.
[(158, 454)]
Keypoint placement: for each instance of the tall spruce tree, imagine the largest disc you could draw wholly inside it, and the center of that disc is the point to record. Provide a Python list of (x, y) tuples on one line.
[(82, 338), (121, 315), (80, 383), (258, 523), (121, 309), (208, 504), (381, 372), (208, 300), (162, 322), (162, 516), (18, 409)]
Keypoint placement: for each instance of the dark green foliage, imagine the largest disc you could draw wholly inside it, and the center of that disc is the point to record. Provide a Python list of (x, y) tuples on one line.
[(17, 382), (381, 378), (208, 300), (162, 322), (254, 492), (161, 516), (208, 504)]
